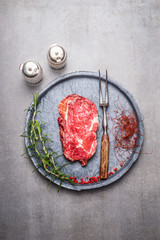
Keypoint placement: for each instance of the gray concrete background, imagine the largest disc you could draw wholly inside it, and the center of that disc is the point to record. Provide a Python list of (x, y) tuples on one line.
[(122, 36)]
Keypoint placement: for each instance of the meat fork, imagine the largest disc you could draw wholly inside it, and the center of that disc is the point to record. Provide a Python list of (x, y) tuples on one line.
[(105, 137)]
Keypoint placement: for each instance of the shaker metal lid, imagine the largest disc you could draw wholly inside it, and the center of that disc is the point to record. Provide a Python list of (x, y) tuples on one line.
[(56, 56), (30, 69)]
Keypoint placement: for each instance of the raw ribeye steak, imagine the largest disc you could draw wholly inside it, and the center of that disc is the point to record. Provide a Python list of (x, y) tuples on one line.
[(78, 123)]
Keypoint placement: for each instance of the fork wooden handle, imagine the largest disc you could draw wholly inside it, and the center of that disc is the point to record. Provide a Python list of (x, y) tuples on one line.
[(104, 157)]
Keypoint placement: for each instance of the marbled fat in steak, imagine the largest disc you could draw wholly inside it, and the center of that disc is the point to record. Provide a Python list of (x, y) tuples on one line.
[(78, 123)]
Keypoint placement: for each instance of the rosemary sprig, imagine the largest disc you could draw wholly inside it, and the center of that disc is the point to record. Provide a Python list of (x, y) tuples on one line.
[(37, 145)]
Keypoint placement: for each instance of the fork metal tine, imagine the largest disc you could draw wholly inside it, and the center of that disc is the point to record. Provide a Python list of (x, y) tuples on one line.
[(100, 89), (107, 99), (101, 102)]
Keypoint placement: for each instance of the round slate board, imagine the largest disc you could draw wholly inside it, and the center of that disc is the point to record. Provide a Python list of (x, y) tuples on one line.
[(85, 84)]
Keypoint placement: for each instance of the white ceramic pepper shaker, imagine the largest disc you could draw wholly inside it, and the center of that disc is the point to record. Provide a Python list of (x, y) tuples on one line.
[(32, 71), (56, 56)]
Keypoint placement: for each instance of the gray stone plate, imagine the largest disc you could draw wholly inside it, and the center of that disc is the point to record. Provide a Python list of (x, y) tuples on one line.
[(85, 84)]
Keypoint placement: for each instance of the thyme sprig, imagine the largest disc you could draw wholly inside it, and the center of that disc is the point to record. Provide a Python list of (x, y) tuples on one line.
[(39, 150)]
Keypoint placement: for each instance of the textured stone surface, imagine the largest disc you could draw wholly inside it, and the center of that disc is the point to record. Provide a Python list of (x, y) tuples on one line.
[(120, 36)]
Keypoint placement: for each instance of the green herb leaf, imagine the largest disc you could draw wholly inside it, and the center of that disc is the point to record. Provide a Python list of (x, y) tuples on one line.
[(38, 147), (60, 185)]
